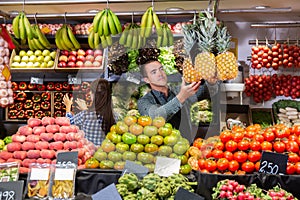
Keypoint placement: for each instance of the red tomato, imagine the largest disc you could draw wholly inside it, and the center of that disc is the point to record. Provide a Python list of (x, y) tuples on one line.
[(219, 145), (240, 156), (293, 138), (248, 167), (222, 164), (269, 136), (290, 168), (241, 172), (243, 145), (225, 136), (259, 137), (257, 166), (250, 134), (238, 136), (233, 166), (255, 145), (206, 153), (254, 156), (295, 130), (279, 146), (201, 163), (216, 153), (228, 155), (198, 142), (266, 146), (292, 146), (293, 157), (281, 131), (210, 165), (297, 167), (231, 146)]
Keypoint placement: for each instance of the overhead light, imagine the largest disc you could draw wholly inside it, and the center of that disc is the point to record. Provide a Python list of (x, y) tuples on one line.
[(256, 10), (174, 9), (261, 7), (93, 10)]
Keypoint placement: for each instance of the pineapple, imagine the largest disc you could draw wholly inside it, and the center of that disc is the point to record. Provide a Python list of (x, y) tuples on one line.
[(190, 73), (227, 66), (205, 61)]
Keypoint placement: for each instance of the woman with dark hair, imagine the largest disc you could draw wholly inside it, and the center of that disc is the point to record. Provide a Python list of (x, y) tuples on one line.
[(96, 119)]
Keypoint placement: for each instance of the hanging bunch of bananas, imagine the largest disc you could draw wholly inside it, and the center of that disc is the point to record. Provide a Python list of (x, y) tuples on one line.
[(65, 39), (105, 24), (166, 39), (131, 37), (40, 41), (22, 28), (148, 19)]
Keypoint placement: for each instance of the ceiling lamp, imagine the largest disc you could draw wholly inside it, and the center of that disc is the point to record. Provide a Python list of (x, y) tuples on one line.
[(257, 9)]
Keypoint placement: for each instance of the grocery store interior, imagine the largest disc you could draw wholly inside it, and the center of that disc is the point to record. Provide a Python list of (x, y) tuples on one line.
[(52, 48)]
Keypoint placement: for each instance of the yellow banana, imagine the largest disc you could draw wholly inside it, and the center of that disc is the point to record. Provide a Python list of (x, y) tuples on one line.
[(116, 22), (170, 37), (73, 39), (96, 20), (156, 23), (109, 40), (149, 25), (31, 45), (15, 26), (34, 33), (144, 23), (65, 38), (124, 34), (135, 41), (58, 40), (105, 24), (103, 41), (159, 41), (38, 44), (97, 41), (91, 39), (129, 37), (41, 37), (111, 24), (165, 37), (22, 27), (27, 27), (140, 41)]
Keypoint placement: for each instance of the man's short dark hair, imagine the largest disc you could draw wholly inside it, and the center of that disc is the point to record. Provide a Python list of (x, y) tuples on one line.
[(142, 67)]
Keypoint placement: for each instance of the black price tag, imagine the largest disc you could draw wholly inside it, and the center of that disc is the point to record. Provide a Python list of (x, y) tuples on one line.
[(65, 158), (11, 190), (273, 163), (36, 80), (183, 194), (74, 80)]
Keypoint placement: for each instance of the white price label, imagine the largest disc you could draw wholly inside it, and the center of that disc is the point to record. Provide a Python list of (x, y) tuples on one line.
[(74, 80), (39, 174), (64, 174), (36, 80)]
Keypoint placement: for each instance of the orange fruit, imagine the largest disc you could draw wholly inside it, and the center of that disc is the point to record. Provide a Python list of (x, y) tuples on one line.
[(113, 128), (144, 120), (129, 120), (136, 129)]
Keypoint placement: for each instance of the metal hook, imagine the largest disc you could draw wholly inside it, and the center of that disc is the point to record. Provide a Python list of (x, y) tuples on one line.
[(132, 17), (275, 35), (166, 17), (23, 5), (65, 17), (107, 3), (195, 17), (35, 18), (152, 4)]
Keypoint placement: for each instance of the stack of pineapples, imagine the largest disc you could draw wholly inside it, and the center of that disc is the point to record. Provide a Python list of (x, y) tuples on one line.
[(213, 61)]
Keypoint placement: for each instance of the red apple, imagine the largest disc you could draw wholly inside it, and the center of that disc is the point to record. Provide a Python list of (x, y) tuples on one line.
[(90, 58), (72, 58), (80, 52), (62, 64), (64, 52), (79, 63), (80, 58), (98, 58), (97, 64), (98, 52), (63, 58), (74, 53), (71, 64), (88, 63), (89, 52)]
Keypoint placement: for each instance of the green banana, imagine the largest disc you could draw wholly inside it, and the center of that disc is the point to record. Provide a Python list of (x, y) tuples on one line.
[(38, 44), (15, 26), (105, 24), (116, 22), (42, 38), (159, 41), (58, 40), (91, 39), (65, 38), (129, 38), (31, 45), (109, 40), (156, 23), (165, 37), (34, 33), (148, 29), (73, 39), (140, 41), (96, 20), (22, 27), (170, 36), (144, 23), (123, 36), (111, 24), (134, 43), (103, 41), (27, 27), (96, 40)]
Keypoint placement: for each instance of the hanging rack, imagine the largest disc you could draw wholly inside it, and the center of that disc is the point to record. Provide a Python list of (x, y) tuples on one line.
[(276, 25)]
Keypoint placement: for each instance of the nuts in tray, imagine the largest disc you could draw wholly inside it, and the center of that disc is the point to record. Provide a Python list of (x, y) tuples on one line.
[(289, 116)]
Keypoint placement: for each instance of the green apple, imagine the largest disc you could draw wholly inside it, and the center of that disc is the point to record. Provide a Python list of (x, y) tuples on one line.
[(50, 63), (47, 58), (29, 53), (36, 64), (38, 52), (53, 54), (15, 65), (43, 65), (23, 65), (46, 52), (29, 65), (22, 53), (17, 59), (32, 58), (40, 59), (25, 59)]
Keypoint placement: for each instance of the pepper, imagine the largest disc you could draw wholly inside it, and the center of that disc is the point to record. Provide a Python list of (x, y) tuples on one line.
[(15, 96), (45, 105), (85, 86), (19, 106), (39, 114), (47, 113), (58, 86), (66, 86), (21, 114), (76, 87), (21, 96), (28, 104), (57, 105), (14, 86), (31, 86), (36, 106), (50, 86), (22, 85), (46, 96), (11, 107), (7, 37), (12, 114), (29, 113), (58, 96), (41, 87), (58, 114), (36, 98)]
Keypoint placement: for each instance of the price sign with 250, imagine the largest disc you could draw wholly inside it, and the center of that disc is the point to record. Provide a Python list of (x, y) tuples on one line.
[(273, 163)]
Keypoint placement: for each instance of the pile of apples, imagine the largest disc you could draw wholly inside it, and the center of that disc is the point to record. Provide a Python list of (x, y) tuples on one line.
[(41, 139), (80, 58), (34, 59)]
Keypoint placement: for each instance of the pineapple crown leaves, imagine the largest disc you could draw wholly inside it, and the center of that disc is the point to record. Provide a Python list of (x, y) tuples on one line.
[(223, 39), (189, 35)]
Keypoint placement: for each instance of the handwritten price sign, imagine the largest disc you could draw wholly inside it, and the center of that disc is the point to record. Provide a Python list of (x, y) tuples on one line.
[(11, 190), (7, 195), (273, 163)]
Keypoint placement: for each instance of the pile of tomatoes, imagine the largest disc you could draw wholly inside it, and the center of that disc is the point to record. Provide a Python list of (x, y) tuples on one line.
[(238, 151)]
